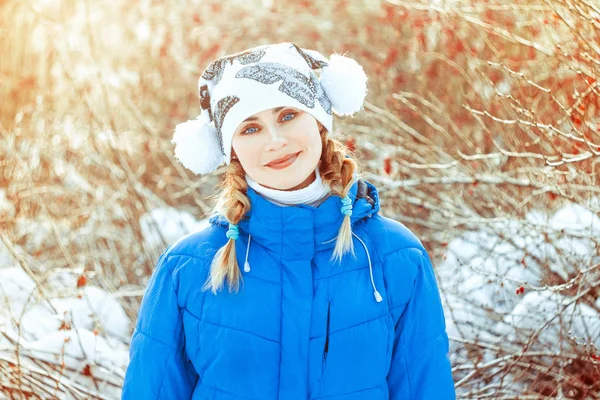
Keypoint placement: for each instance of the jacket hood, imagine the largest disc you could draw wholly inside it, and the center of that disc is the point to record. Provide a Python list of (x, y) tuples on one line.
[(266, 221)]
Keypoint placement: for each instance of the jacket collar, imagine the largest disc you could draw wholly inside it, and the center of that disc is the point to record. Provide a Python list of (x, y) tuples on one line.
[(270, 224)]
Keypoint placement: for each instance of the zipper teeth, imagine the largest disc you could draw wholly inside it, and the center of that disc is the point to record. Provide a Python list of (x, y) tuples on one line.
[(327, 332)]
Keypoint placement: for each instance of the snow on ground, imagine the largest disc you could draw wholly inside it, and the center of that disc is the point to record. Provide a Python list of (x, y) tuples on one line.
[(170, 223), (491, 284), (86, 327), (546, 311)]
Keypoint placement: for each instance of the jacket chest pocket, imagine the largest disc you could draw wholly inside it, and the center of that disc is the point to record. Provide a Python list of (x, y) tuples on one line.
[(326, 347), (356, 357)]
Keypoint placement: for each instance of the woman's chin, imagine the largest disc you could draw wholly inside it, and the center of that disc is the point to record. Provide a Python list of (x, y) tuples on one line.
[(285, 184)]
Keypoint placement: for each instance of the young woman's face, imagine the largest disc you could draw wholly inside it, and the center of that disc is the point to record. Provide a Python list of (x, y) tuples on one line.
[(274, 134)]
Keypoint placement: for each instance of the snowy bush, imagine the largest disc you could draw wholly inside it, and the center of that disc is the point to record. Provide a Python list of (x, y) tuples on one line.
[(502, 306), (82, 337)]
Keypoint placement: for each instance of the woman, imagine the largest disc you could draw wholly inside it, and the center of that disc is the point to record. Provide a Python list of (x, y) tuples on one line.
[(337, 301)]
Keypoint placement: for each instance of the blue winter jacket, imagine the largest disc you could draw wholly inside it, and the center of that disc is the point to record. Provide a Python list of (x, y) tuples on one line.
[(301, 326)]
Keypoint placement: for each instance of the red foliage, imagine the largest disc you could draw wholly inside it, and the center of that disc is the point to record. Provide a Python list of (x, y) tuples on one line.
[(196, 18), (212, 51), (351, 144), (87, 370), (81, 281), (64, 326), (392, 57), (164, 48), (387, 166)]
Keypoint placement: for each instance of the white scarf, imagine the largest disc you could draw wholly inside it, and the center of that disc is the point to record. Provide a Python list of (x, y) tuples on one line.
[(313, 194)]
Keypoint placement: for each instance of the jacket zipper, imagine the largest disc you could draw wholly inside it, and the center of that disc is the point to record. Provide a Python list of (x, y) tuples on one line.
[(326, 350)]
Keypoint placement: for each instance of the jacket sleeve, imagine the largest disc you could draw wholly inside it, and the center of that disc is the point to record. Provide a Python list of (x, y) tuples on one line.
[(420, 366), (158, 364)]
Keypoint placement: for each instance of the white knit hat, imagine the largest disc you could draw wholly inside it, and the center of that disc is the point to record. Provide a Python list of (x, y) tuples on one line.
[(236, 86)]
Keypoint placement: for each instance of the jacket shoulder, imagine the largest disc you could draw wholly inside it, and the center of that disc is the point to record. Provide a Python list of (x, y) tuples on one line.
[(188, 260), (193, 252), (389, 235), (401, 255), (202, 244)]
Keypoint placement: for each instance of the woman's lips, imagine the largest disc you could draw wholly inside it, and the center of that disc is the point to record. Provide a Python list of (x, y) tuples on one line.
[(284, 164)]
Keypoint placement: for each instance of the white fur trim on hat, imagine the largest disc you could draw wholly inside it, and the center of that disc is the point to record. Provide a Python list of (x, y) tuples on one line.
[(345, 83), (197, 145)]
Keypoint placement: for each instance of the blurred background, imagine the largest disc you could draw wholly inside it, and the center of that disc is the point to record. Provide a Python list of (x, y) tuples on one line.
[(481, 131)]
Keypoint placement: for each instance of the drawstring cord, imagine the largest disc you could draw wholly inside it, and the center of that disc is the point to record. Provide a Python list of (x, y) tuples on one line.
[(247, 264), (347, 210), (376, 293)]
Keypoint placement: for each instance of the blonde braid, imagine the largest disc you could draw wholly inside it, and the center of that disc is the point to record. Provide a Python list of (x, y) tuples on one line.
[(338, 171), (234, 204)]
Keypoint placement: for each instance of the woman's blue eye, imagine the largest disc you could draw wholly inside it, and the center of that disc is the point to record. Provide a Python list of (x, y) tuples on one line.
[(290, 113), (285, 119)]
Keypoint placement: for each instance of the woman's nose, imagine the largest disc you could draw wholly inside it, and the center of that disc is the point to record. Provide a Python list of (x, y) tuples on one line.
[(277, 138)]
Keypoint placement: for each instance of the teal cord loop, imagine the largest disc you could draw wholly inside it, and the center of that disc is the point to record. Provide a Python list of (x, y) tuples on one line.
[(347, 206), (233, 232)]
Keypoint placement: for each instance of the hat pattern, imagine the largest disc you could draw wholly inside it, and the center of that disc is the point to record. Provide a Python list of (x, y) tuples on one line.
[(320, 94), (312, 63), (223, 106), (204, 95), (294, 84), (214, 71)]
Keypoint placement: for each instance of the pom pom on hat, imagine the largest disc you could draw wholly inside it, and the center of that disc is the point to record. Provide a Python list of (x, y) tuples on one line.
[(197, 145), (345, 83)]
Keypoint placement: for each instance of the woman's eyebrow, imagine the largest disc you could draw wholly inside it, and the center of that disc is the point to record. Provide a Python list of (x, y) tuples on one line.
[(275, 110)]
